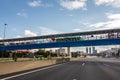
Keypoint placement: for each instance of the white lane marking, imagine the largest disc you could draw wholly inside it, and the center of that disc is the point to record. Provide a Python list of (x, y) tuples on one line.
[(74, 79), (83, 64), (106, 64), (32, 71)]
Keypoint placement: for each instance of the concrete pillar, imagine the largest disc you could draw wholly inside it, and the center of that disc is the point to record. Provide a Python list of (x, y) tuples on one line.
[(89, 50), (69, 54)]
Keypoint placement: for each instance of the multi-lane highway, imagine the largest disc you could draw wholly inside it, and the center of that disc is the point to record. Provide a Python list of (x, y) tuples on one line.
[(85, 69)]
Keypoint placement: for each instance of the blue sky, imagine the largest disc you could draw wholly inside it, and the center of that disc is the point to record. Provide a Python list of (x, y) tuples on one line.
[(40, 17)]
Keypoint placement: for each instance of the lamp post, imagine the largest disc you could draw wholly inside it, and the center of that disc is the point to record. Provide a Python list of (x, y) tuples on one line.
[(4, 38), (4, 30)]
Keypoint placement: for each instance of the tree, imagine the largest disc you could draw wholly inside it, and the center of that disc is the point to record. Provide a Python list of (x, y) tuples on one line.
[(47, 54), (41, 52)]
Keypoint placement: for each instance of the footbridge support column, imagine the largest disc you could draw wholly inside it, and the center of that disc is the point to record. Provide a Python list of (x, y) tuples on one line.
[(69, 53)]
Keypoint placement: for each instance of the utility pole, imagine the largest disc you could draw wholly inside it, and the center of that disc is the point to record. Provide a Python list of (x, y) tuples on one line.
[(4, 30), (4, 38)]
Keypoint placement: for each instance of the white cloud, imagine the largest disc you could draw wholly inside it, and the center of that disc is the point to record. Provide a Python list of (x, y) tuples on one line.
[(70, 15), (42, 31), (47, 5), (34, 3), (77, 30), (61, 9), (114, 3), (47, 31), (84, 23), (73, 4), (37, 3), (113, 22), (22, 13), (113, 16), (1, 38), (18, 36), (28, 33)]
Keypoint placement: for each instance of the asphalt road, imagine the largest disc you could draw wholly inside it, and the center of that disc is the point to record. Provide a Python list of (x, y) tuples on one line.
[(86, 69)]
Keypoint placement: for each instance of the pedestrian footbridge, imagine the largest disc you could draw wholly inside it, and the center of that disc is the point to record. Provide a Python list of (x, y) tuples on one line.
[(89, 38)]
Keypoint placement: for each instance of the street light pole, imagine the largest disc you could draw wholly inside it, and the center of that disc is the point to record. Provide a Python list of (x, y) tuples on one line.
[(4, 38), (4, 31)]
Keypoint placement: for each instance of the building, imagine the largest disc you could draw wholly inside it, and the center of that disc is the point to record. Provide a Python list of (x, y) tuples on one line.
[(89, 50), (61, 51), (77, 53), (94, 51)]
